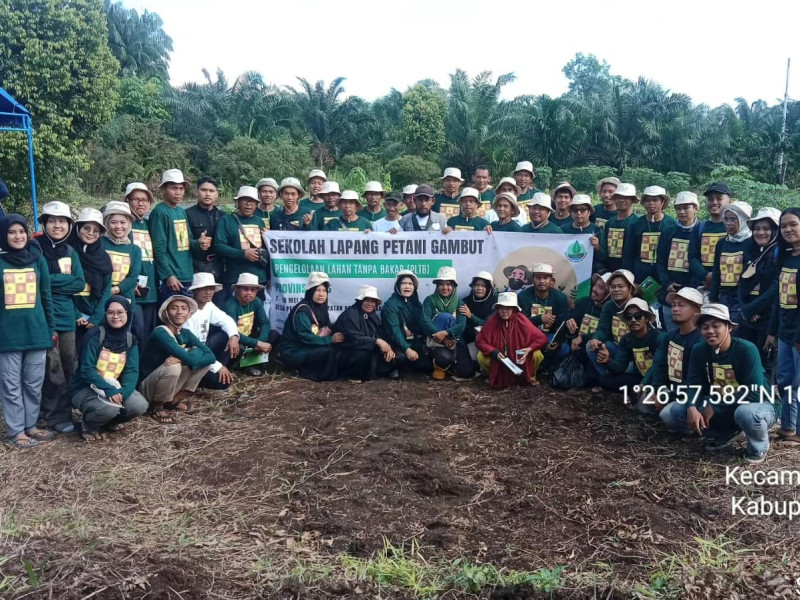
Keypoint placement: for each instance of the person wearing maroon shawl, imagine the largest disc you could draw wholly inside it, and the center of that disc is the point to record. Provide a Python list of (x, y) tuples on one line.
[(509, 333)]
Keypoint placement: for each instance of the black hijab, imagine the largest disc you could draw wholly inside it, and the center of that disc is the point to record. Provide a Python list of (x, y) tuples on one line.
[(116, 340), (483, 307), (319, 312), (95, 261), (54, 250), (19, 258)]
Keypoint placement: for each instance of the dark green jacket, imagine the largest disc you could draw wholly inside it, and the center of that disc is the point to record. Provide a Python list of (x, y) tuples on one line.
[(618, 233), (93, 309), (251, 321), (64, 286), (160, 345), (230, 244), (298, 336), (639, 350), (126, 259), (642, 246), (26, 315), (534, 307), (322, 217), (91, 363), (140, 235), (462, 223), (365, 214), (172, 242), (401, 320), (280, 221), (704, 243), (429, 312)]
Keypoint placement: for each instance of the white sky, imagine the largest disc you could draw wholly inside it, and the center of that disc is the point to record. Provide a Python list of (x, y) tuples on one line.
[(712, 50)]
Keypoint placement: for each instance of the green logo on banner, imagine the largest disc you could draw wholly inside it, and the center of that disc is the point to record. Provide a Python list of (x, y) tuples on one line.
[(382, 269), (575, 252)]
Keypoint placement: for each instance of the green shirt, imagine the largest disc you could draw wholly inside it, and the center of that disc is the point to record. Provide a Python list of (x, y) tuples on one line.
[(640, 350), (550, 227), (440, 198), (339, 224), (488, 195), (601, 216), (673, 260), (172, 243), (309, 205), (672, 359), (300, 333), (322, 217), (617, 234), (429, 312), (785, 321), (98, 362), (265, 215), (704, 242), (462, 223), (231, 242), (280, 221), (161, 345), (26, 311), (642, 246), (401, 321), (528, 195), (512, 226), (94, 309), (365, 213), (535, 308), (140, 234), (251, 321), (610, 326), (126, 260), (64, 286)]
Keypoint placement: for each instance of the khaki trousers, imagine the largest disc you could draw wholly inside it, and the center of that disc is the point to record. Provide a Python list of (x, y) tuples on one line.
[(162, 384)]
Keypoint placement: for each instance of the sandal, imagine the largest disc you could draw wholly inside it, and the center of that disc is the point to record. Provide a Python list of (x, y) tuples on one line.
[(162, 417), (22, 442), (177, 406), (789, 440), (40, 435)]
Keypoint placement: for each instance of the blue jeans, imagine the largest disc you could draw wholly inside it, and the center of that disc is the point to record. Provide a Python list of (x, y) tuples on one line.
[(601, 369), (164, 291), (21, 379), (788, 375)]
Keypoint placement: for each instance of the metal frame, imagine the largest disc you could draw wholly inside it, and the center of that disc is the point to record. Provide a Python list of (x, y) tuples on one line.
[(20, 120)]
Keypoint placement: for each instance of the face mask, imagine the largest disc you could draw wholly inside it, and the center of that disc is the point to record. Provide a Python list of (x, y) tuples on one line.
[(515, 284)]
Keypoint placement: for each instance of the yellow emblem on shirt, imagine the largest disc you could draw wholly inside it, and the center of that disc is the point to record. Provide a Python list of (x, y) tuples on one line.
[(730, 268), (616, 239), (245, 323), (111, 364), (181, 235), (787, 290), (141, 237), (252, 234), (121, 265), (675, 362), (708, 246), (450, 210), (20, 287), (65, 265), (643, 359), (647, 252), (678, 259), (589, 324), (618, 328), (724, 375), (540, 310)]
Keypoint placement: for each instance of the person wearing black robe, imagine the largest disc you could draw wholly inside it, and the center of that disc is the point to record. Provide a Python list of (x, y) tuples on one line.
[(478, 305)]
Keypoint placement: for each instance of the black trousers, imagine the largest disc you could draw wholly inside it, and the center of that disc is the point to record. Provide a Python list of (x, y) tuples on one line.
[(457, 360), (363, 364)]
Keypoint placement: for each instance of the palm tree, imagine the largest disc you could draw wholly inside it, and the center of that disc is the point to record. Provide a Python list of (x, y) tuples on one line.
[(553, 131), (140, 44)]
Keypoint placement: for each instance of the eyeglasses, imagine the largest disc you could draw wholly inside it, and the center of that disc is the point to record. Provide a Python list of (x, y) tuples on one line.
[(115, 313), (637, 316)]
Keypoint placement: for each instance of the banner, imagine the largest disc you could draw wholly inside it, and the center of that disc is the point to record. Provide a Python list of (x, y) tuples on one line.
[(355, 259)]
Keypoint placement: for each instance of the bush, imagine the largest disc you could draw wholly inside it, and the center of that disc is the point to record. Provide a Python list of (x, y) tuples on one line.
[(372, 166), (409, 168), (755, 193), (673, 181), (584, 179), (544, 177)]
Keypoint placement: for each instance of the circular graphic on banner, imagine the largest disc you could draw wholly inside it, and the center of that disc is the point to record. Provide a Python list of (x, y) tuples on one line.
[(515, 268)]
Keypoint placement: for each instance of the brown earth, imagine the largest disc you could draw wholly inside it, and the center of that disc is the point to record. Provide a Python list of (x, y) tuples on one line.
[(261, 492)]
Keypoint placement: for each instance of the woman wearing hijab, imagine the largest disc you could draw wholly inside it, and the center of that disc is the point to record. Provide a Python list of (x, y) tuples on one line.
[(444, 325), (308, 345), (66, 280), (104, 386), (126, 257), (401, 318), (26, 321), (97, 270), (364, 355), (509, 334), (729, 257), (479, 304)]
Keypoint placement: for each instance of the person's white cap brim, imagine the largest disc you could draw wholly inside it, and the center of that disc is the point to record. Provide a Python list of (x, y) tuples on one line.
[(656, 191), (162, 310), (137, 185), (56, 208), (374, 186), (469, 192), (330, 187), (640, 304), (524, 165), (247, 191), (91, 215), (292, 182), (767, 212), (689, 294), (483, 275), (564, 185), (507, 299), (116, 207), (446, 274), (369, 291), (452, 172), (409, 189), (686, 198), (713, 311), (349, 196), (542, 269), (317, 278), (248, 280), (541, 199), (626, 275), (317, 173), (508, 197), (173, 176), (268, 181), (626, 190), (204, 280)]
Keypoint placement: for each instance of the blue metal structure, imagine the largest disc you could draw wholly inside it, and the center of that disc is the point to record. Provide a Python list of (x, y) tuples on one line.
[(15, 117)]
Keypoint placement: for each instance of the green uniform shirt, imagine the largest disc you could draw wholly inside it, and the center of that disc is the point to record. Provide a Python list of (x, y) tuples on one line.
[(560, 222), (98, 363), (533, 307), (610, 326), (265, 216), (462, 223), (601, 216), (704, 243), (528, 195), (440, 198), (729, 262), (309, 205), (322, 217), (172, 242), (26, 311), (161, 345), (549, 228), (785, 321), (488, 195), (365, 213), (339, 224), (400, 321), (140, 235), (640, 350), (64, 286), (512, 226), (617, 234), (299, 333), (642, 246), (231, 242), (672, 359), (251, 321), (429, 312), (94, 309), (280, 221), (126, 260), (674, 262)]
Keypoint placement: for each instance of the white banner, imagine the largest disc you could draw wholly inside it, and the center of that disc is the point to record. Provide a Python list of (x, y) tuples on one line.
[(354, 259)]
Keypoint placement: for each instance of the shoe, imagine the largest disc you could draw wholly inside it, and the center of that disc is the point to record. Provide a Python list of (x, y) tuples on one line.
[(715, 442), (439, 373), (394, 375), (254, 371), (755, 458)]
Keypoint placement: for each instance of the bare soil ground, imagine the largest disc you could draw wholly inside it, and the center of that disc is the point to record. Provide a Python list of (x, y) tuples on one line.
[(288, 489)]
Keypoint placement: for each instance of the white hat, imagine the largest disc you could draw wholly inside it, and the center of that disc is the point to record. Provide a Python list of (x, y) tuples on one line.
[(407, 273), (612, 180), (691, 294), (267, 181), (656, 191), (374, 186), (91, 215), (446, 274), (713, 311), (510, 198), (640, 304), (330, 187), (509, 180), (162, 310), (247, 280), (524, 165), (580, 200), (605, 277), (410, 189), (316, 278), (136, 185), (204, 280), (292, 182), (452, 172), (317, 173), (742, 209), (767, 212), (115, 207), (625, 274), (565, 185), (542, 269), (247, 191), (469, 192), (173, 176), (368, 291), (507, 299), (483, 275), (56, 208), (686, 198), (626, 190), (541, 199), (349, 195)]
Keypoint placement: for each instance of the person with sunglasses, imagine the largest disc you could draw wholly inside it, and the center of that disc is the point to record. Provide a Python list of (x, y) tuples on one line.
[(634, 356), (582, 210)]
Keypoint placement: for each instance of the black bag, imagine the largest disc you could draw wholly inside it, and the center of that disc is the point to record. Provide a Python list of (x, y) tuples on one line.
[(263, 254), (571, 372)]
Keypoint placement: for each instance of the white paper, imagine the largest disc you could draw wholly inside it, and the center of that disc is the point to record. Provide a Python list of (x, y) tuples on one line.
[(511, 366)]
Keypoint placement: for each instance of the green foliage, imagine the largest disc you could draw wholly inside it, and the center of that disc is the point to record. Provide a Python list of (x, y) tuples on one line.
[(54, 59), (139, 43), (641, 177), (243, 161), (544, 177), (423, 122), (755, 193), (143, 98), (584, 179), (372, 166), (409, 168)]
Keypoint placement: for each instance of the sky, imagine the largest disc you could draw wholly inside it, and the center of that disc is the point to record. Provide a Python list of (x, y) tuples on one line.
[(714, 51)]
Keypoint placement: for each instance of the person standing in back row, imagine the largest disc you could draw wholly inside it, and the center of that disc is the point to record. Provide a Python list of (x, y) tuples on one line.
[(203, 218), (618, 228), (140, 199), (708, 233)]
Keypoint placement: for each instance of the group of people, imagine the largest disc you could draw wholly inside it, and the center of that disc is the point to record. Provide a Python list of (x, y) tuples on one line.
[(681, 311)]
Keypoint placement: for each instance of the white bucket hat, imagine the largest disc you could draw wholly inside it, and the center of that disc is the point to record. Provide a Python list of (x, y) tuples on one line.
[(686, 198), (713, 311), (368, 291), (483, 275), (452, 172), (510, 181), (136, 185), (767, 212), (330, 187), (541, 199), (173, 176), (316, 278), (524, 165), (604, 277), (612, 180), (407, 273), (91, 215), (292, 182), (656, 191), (690, 294), (640, 304), (510, 198), (446, 274), (625, 274), (742, 209), (115, 207), (507, 299), (317, 173), (565, 185), (248, 280), (469, 192), (349, 195), (626, 190), (56, 208), (204, 280), (581, 200), (374, 186), (542, 269), (162, 310), (247, 191), (267, 181), (410, 189)]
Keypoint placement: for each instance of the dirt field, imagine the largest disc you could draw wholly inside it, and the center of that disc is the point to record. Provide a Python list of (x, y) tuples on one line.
[(288, 489)]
